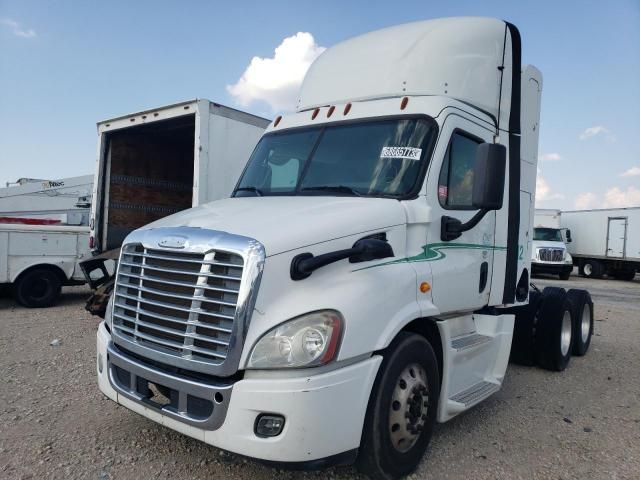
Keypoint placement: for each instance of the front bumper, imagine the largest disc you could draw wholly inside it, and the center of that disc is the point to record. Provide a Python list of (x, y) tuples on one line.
[(551, 268), (324, 413)]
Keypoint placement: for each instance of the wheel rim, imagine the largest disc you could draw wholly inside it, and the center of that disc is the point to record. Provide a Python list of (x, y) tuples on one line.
[(588, 269), (585, 326), (409, 406), (565, 337)]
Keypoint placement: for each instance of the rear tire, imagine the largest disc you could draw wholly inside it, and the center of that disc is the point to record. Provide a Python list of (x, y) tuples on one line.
[(38, 288), (592, 269), (626, 275), (406, 389), (554, 330), (582, 307)]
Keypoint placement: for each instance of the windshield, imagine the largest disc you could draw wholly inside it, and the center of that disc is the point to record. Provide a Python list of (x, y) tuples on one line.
[(369, 158), (547, 234)]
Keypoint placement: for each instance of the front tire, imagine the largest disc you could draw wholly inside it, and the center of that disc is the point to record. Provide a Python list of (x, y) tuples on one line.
[(402, 409)]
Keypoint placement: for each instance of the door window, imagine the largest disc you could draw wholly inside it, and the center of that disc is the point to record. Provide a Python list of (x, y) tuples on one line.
[(455, 186)]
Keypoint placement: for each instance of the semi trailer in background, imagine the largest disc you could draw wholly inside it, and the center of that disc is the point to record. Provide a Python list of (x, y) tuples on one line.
[(605, 241), (369, 275), (37, 260), (549, 251), (158, 162)]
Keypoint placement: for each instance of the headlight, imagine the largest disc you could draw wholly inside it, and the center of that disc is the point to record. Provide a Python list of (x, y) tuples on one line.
[(307, 341)]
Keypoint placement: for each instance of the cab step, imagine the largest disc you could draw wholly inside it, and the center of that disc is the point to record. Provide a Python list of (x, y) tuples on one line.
[(475, 393), (469, 341)]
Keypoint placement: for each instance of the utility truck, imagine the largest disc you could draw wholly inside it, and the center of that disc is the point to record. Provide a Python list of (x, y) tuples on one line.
[(37, 260), (157, 162), (549, 251), (364, 280), (607, 241)]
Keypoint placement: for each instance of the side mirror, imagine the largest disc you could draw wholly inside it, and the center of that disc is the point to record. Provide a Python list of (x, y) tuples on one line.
[(568, 236), (488, 176)]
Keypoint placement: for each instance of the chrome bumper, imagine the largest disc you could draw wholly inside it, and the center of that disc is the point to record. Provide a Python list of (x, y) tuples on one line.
[(198, 404)]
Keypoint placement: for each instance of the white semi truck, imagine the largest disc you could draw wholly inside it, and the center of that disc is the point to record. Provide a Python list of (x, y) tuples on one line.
[(363, 281), (153, 163), (606, 241), (549, 251)]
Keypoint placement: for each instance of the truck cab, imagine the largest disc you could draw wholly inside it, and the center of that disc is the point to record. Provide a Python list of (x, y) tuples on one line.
[(549, 253), (359, 284)]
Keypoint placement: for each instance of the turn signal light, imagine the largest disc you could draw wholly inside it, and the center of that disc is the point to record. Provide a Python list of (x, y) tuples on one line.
[(425, 287)]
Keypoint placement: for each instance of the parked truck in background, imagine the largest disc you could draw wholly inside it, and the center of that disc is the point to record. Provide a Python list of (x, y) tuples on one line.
[(549, 251), (368, 274), (605, 241), (37, 260), (157, 162)]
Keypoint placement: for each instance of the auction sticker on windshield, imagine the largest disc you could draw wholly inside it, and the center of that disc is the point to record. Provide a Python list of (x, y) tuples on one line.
[(409, 153)]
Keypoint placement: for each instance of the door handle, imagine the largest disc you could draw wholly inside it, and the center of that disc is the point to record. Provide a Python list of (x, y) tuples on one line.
[(484, 273)]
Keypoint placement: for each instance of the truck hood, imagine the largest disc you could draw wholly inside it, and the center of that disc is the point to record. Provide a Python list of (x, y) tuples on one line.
[(282, 224)]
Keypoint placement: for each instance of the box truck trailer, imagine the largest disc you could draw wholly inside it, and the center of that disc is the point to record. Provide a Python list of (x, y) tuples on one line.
[(157, 162), (37, 260), (549, 251), (369, 275), (605, 241)]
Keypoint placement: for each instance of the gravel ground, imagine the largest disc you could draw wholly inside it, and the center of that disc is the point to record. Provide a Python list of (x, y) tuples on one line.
[(581, 423)]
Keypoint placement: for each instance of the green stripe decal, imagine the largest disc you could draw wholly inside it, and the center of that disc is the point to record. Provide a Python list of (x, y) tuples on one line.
[(434, 251)]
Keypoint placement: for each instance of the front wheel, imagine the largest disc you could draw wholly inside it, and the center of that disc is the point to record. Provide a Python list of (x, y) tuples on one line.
[(402, 409), (38, 288)]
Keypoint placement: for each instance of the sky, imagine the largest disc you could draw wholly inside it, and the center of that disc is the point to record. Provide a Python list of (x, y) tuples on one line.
[(65, 65)]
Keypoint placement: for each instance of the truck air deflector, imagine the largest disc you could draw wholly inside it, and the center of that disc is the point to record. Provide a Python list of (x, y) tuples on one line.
[(511, 268)]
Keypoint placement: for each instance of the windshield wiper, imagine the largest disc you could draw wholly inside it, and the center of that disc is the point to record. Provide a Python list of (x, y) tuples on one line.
[(256, 190), (334, 188)]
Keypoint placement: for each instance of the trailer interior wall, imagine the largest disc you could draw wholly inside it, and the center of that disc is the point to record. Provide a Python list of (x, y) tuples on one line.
[(611, 233), (149, 175)]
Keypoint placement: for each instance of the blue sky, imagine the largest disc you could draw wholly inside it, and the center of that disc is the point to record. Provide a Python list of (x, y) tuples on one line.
[(66, 65)]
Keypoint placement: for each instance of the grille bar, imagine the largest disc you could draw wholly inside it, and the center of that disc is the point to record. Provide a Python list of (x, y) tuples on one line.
[(186, 260), (167, 318), (179, 272), (172, 306), (178, 303), (176, 283), (173, 331)]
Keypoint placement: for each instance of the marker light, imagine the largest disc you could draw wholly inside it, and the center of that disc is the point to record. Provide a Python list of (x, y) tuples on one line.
[(425, 287), (307, 341), (315, 113), (404, 102), (277, 120), (330, 111), (347, 108)]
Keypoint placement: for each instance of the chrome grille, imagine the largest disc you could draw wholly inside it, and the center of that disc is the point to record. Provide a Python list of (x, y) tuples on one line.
[(178, 303), (551, 254)]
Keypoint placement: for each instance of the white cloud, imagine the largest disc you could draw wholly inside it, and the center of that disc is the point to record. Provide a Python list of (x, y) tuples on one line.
[(544, 192), (632, 172), (613, 198), (597, 130), (17, 29), (549, 157), (277, 80), (586, 200), (616, 198)]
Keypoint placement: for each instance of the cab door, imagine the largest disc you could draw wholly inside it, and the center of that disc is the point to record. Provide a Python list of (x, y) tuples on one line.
[(461, 268)]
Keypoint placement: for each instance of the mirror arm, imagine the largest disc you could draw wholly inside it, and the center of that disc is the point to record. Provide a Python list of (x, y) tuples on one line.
[(451, 228)]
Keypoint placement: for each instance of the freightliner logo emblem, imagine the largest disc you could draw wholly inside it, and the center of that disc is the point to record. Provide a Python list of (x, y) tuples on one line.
[(173, 241)]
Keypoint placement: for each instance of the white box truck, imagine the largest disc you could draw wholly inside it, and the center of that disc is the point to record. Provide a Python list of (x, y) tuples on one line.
[(549, 251), (365, 278), (157, 162), (37, 260), (605, 241)]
